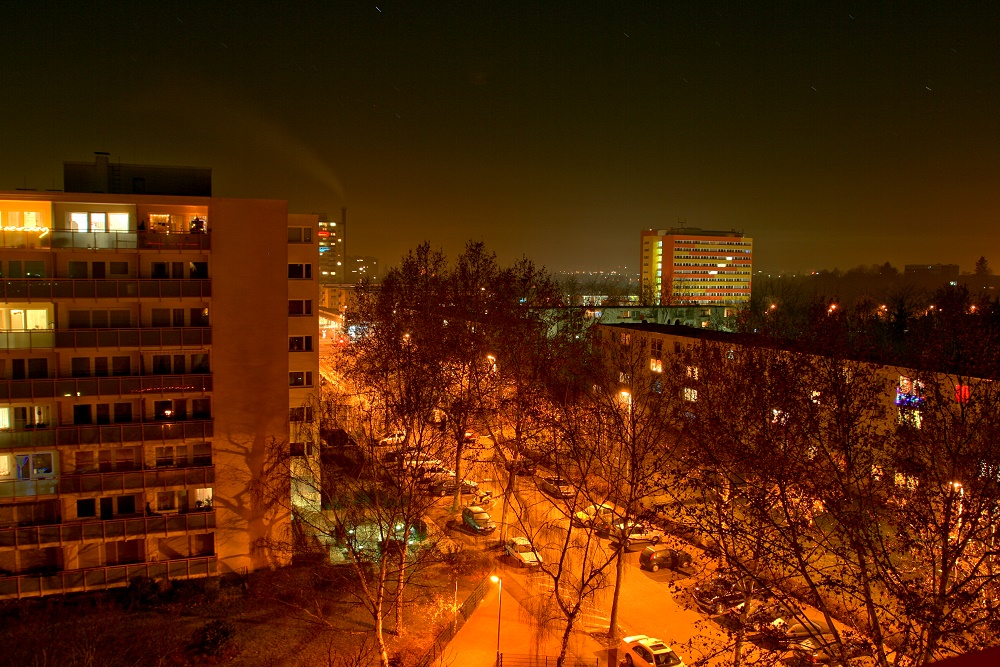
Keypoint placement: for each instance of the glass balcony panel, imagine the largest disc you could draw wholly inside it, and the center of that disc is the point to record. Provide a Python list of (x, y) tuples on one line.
[(171, 337), (93, 531), (107, 289), (128, 289), (130, 386), (132, 481), (66, 387), (20, 390), (128, 337), (114, 529), (109, 386), (8, 538), (111, 434), (170, 289), (149, 289), (17, 289), (49, 535), (86, 387), (62, 289), (27, 537), (72, 532), (40, 289), (85, 289), (86, 338), (149, 337)]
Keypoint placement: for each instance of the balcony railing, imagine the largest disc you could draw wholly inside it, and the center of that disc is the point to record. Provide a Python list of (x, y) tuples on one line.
[(105, 531), (47, 289), (161, 432), (137, 480), (119, 240), (193, 337), (96, 578), (109, 482), (125, 385)]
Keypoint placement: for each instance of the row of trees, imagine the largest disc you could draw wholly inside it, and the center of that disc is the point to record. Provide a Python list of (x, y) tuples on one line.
[(797, 468)]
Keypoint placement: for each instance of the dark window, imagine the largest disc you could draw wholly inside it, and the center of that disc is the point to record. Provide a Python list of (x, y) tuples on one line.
[(123, 413), (300, 344), (201, 408), (164, 457), (121, 366), (98, 270), (77, 269), (119, 269), (17, 369), (126, 505), (202, 454), (199, 363), (82, 414), (178, 320), (178, 364), (300, 379), (296, 449), (295, 271), (38, 369), (79, 319), (180, 409), (121, 319), (34, 269), (161, 364), (304, 414), (80, 367), (15, 269), (103, 413), (177, 270), (199, 270), (101, 367), (99, 319), (86, 507), (199, 317), (161, 317), (300, 307), (158, 270)]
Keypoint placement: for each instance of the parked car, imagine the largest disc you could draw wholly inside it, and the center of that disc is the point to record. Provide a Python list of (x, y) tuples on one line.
[(603, 514), (478, 520), (723, 591), (763, 614), (444, 485), (636, 531), (393, 438), (653, 558), (556, 486), (400, 455), (783, 631), (521, 550), (824, 649), (643, 651)]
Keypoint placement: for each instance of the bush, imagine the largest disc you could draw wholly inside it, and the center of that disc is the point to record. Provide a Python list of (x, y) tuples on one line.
[(469, 562), (213, 638)]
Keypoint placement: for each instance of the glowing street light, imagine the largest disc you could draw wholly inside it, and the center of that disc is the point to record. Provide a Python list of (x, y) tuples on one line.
[(497, 580)]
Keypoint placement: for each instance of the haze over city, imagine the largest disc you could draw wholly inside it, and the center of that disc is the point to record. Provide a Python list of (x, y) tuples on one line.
[(835, 134)]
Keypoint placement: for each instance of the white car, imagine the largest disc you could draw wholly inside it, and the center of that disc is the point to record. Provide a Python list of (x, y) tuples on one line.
[(640, 531), (520, 549), (394, 438), (643, 651)]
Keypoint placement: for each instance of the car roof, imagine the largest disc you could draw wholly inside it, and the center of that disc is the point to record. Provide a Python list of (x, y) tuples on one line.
[(520, 540), (652, 643)]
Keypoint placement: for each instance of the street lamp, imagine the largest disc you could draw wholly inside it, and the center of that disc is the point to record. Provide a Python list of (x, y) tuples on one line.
[(497, 580)]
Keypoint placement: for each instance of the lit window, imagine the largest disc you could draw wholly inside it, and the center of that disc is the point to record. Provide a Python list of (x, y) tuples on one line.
[(692, 372), (78, 222), (656, 365), (690, 394), (118, 222)]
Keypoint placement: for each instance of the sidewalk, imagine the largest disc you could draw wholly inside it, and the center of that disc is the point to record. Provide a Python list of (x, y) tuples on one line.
[(475, 645)]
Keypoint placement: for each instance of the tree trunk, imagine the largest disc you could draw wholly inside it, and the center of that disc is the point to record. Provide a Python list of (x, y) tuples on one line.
[(619, 580), (400, 583)]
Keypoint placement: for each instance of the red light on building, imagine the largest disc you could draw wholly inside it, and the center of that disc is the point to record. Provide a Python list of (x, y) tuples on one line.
[(962, 393)]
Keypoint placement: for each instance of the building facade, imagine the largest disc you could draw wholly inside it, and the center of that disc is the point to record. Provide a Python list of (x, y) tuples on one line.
[(154, 351), (695, 266), (332, 244)]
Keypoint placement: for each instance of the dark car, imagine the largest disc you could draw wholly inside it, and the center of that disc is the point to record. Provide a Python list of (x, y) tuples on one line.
[(445, 485), (723, 591), (824, 649), (478, 520), (782, 632), (653, 558)]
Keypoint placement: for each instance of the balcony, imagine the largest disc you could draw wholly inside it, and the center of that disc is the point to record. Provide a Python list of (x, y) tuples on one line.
[(97, 578), (136, 480), (107, 531), (130, 385), (142, 240), (156, 338), (48, 289), (160, 432)]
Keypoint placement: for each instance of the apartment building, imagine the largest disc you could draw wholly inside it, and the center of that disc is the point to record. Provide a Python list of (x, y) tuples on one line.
[(154, 350), (681, 266)]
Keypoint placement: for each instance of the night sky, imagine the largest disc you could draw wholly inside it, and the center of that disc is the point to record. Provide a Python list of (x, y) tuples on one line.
[(834, 133)]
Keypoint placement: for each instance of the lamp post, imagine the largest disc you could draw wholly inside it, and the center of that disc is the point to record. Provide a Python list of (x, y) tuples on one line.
[(497, 580)]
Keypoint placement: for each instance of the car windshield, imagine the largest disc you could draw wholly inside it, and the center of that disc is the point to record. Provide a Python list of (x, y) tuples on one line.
[(481, 518), (523, 548), (667, 659)]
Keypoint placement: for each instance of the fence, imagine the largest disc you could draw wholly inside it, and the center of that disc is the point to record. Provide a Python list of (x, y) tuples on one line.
[(461, 616), (523, 660)]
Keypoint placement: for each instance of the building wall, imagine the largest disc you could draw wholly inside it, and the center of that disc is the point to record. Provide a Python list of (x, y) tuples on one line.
[(250, 360)]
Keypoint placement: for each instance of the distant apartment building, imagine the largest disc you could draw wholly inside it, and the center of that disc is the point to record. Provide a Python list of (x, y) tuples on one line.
[(681, 266), (332, 244), (933, 275), (154, 349), (359, 267)]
